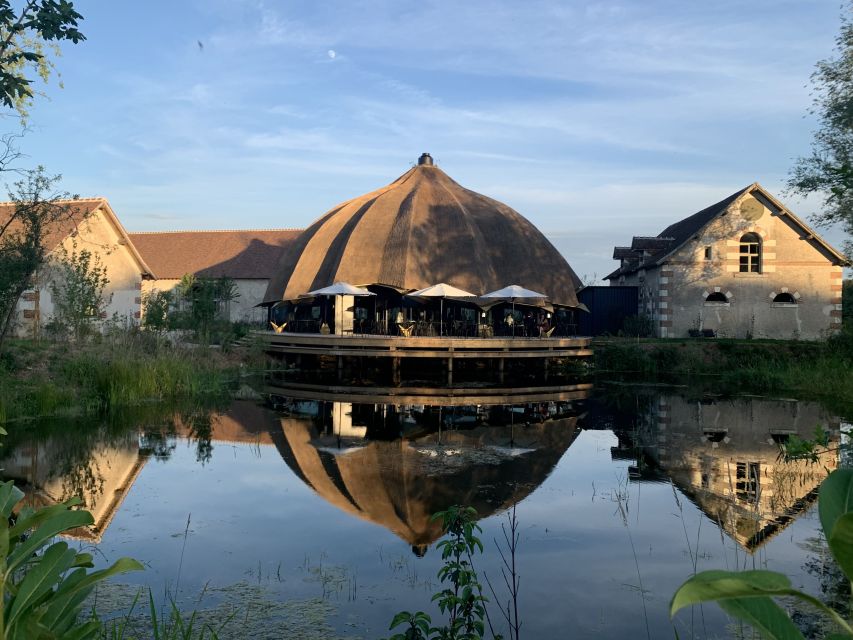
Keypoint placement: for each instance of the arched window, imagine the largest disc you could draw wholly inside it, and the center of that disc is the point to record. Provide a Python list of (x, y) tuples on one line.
[(785, 298), (716, 297), (750, 253)]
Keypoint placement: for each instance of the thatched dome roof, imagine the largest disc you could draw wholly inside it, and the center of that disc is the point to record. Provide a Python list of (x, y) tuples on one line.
[(422, 229)]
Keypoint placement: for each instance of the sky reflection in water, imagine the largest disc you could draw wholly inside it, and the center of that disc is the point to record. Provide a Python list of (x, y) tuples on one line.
[(322, 499)]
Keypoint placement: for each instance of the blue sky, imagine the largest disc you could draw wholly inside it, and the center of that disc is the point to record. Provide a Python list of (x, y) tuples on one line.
[(595, 120)]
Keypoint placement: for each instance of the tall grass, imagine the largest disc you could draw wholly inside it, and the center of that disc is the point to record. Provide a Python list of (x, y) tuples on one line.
[(808, 369), (114, 372), (128, 379)]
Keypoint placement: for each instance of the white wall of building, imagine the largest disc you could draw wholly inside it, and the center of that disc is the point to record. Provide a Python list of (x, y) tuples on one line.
[(241, 309), (99, 235)]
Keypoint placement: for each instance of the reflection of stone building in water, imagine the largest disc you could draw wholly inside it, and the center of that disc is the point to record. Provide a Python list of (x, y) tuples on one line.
[(102, 473), (49, 474), (724, 455)]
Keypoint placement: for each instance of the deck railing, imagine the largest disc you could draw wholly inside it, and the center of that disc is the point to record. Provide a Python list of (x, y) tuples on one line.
[(455, 329)]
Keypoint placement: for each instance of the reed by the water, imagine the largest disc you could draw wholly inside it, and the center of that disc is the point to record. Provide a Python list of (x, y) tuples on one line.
[(819, 370), (49, 378)]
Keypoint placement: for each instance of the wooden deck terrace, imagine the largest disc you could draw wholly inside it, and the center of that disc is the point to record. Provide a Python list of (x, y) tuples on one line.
[(445, 347)]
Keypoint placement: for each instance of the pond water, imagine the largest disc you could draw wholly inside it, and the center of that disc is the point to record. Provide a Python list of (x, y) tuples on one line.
[(312, 518)]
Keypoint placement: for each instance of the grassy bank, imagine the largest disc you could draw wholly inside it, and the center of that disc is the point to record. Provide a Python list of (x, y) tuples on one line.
[(819, 370), (57, 378)]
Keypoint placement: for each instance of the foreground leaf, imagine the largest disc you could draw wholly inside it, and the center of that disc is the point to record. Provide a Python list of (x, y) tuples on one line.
[(41, 579), (731, 588), (10, 495), (835, 499), (51, 527), (841, 543), (709, 586), (763, 615)]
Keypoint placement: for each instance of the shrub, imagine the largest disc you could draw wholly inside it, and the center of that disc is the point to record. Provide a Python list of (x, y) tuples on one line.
[(639, 326), (44, 585)]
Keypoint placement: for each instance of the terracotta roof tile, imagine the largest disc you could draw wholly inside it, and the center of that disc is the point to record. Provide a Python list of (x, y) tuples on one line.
[(65, 226), (238, 254)]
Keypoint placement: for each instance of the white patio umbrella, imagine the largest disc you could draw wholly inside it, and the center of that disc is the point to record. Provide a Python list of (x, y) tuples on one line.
[(441, 290), (338, 289), (515, 292)]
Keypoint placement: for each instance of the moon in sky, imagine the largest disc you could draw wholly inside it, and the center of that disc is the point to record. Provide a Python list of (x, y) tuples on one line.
[(332, 54)]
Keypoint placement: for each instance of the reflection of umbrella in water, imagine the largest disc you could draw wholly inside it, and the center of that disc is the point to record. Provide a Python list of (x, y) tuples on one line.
[(340, 451), (442, 291), (514, 293), (511, 451)]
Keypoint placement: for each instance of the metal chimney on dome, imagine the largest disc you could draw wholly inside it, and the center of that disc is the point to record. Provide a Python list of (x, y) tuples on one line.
[(425, 160)]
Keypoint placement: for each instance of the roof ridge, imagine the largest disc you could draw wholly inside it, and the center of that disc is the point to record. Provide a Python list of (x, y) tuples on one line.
[(92, 199), (139, 233)]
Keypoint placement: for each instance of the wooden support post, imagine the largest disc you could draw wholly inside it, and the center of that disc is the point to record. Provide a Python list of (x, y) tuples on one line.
[(450, 371), (395, 371), (501, 370)]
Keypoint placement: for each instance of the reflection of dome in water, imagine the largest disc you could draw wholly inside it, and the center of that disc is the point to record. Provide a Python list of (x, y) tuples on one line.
[(422, 229), (401, 484)]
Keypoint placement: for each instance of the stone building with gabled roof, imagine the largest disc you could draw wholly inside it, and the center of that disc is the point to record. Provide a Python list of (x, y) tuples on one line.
[(89, 223), (744, 267), (248, 257), (140, 262)]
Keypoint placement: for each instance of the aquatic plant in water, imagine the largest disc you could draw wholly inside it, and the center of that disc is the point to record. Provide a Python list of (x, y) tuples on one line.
[(462, 599)]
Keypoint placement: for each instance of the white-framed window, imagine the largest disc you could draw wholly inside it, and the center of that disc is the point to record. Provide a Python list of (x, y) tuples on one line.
[(750, 253)]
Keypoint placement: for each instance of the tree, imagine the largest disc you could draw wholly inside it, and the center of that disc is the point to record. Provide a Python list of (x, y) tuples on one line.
[(38, 209), (23, 36), (155, 310), (77, 286), (202, 303), (828, 171)]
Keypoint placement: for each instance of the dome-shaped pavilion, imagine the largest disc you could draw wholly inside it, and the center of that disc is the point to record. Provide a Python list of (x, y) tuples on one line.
[(422, 229)]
